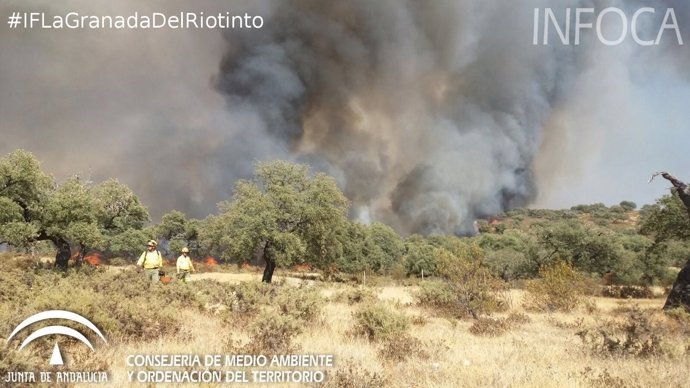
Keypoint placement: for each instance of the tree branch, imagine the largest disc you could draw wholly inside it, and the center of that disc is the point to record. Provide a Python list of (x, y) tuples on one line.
[(680, 187)]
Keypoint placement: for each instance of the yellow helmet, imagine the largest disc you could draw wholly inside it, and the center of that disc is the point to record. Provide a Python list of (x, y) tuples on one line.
[(185, 250)]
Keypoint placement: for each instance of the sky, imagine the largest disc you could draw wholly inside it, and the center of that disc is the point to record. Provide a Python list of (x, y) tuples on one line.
[(428, 115)]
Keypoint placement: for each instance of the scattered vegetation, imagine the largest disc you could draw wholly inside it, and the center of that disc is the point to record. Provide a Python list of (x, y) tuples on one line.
[(637, 336), (351, 375), (377, 321), (273, 333), (494, 327), (399, 348), (357, 295)]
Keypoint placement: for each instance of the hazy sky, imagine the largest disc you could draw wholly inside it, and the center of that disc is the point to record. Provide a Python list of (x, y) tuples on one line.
[(448, 104)]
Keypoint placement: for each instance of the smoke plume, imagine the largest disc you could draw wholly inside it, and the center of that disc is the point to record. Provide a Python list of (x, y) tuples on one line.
[(429, 114)]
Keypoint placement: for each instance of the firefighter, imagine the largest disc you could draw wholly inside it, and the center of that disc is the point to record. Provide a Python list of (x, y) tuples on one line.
[(151, 261), (184, 265)]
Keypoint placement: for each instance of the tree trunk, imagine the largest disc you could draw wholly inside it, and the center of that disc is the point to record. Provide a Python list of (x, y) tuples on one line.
[(80, 256), (680, 293), (63, 254), (270, 265)]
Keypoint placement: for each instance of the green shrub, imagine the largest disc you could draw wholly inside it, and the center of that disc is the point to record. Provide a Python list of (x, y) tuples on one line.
[(438, 296), (559, 288), (301, 303), (273, 333), (468, 289), (377, 321)]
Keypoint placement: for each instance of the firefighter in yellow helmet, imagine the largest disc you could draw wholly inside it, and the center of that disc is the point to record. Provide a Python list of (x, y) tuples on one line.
[(151, 261), (184, 265)]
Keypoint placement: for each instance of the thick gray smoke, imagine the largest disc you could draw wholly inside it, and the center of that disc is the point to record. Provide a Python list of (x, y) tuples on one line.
[(429, 114)]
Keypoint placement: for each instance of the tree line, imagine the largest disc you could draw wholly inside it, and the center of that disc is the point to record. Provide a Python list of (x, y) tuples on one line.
[(285, 215)]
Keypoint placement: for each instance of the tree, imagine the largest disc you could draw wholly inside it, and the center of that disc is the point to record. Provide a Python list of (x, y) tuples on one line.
[(420, 256), (179, 232), (283, 215), (589, 249), (376, 247), (121, 218), (666, 220), (23, 191), (680, 293), (69, 218), (34, 208), (628, 205), (389, 247)]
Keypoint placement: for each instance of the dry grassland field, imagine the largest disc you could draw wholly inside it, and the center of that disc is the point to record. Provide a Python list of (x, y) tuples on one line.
[(379, 334)]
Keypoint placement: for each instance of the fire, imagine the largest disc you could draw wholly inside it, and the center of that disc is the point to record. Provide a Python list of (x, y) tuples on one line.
[(210, 261), (93, 259)]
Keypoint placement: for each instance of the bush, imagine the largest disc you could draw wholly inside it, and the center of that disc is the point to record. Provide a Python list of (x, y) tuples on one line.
[(401, 347), (438, 296), (603, 379), (636, 337), (124, 305), (494, 327), (357, 295), (628, 292), (559, 288), (273, 333), (377, 321), (247, 298), (468, 288), (490, 327), (301, 303)]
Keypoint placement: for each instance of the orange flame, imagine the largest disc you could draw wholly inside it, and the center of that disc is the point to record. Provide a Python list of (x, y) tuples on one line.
[(210, 261), (93, 259)]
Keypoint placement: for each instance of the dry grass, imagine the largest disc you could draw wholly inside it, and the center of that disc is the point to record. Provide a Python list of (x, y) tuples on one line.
[(542, 351), (538, 354)]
